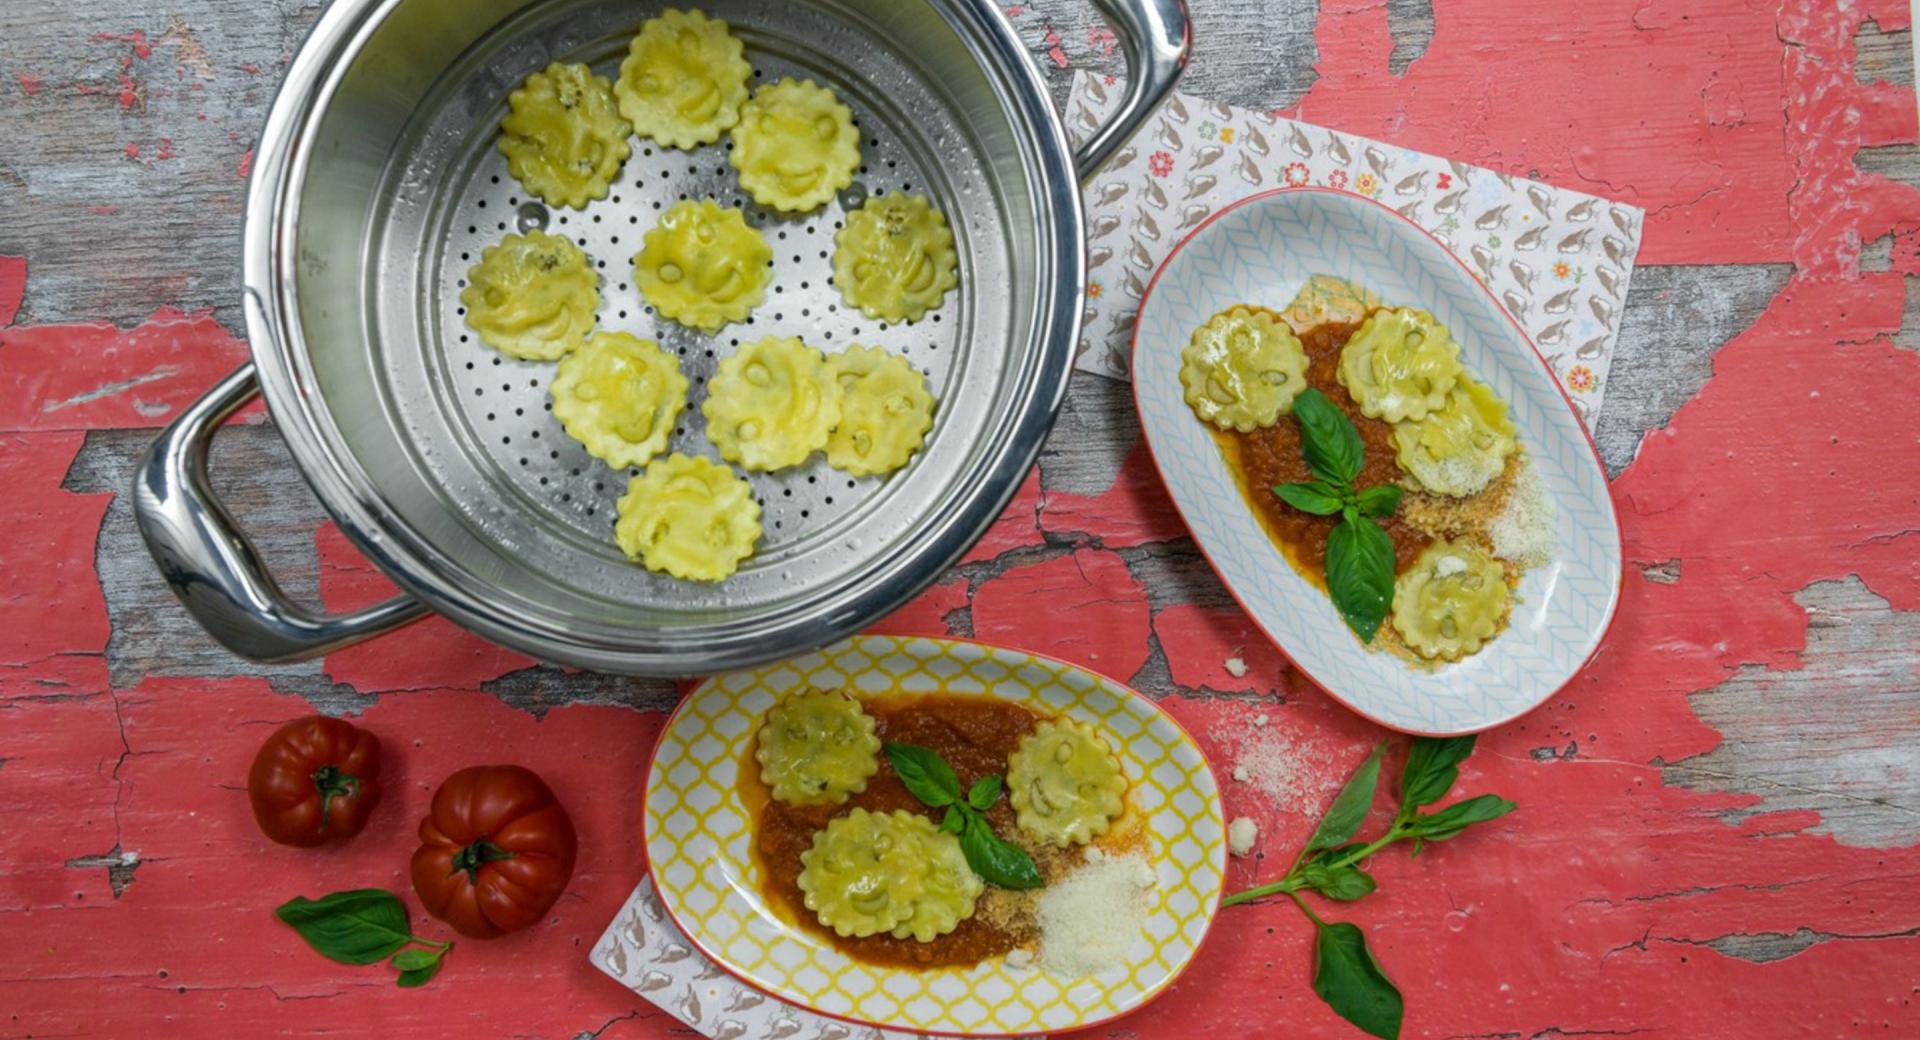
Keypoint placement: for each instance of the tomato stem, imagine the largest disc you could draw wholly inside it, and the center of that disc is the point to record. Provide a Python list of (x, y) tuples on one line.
[(476, 855), (332, 783)]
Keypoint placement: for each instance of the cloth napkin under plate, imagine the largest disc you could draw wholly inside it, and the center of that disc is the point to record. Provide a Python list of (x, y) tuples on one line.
[(1558, 260)]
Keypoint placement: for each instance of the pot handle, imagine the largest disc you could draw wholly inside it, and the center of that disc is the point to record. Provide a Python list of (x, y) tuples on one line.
[(212, 567), (1157, 39)]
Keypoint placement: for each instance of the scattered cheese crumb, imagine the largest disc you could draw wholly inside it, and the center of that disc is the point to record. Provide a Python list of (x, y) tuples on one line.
[(1447, 566), (1259, 720), (1241, 834), (1524, 530), (1019, 960), (1236, 667), (1090, 920), (1094, 855), (1241, 775)]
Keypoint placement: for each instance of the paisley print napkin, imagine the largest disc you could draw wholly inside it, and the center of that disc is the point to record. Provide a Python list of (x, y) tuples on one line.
[(1558, 259)]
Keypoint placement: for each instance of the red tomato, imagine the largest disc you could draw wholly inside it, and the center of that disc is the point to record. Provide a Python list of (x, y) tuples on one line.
[(315, 780), (496, 850)]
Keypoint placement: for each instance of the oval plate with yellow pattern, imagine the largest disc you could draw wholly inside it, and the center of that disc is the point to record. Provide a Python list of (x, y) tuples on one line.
[(698, 836)]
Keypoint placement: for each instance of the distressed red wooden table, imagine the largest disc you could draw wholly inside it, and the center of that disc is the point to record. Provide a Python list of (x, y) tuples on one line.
[(1718, 821)]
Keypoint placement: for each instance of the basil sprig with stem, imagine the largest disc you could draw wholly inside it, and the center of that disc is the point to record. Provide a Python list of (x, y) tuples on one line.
[(362, 926), (1359, 560), (929, 778), (1345, 975)]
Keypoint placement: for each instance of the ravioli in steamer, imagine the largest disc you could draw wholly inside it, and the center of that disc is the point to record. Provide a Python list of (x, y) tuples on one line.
[(563, 137), (895, 259), (532, 296), (689, 517), (795, 146), (619, 397), (817, 748), (683, 80), (702, 266), (771, 404), (885, 411)]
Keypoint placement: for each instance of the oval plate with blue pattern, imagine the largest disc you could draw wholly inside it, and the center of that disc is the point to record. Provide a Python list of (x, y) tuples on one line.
[(1262, 251)]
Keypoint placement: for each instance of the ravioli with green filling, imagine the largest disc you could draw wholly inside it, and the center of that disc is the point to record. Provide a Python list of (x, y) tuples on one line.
[(1459, 448), (865, 871), (894, 259), (1065, 784), (1242, 369), (563, 136), (817, 748), (703, 266), (531, 296), (683, 80), (689, 517), (771, 404), (795, 146), (619, 397), (885, 411), (1451, 601), (1399, 364)]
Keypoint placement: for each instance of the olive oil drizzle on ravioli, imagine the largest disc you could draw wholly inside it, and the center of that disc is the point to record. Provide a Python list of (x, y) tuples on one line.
[(689, 517), (817, 748), (619, 397), (1242, 369), (1451, 601), (563, 136), (1065, 785), (771, 404), (885, 411), (531, 296), (796, 145), (703, 266), (1460, 447), (894, 259), (683, 80)]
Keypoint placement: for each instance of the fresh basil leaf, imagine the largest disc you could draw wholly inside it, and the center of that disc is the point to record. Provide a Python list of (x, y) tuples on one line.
[(1346, 976), (419, 976), (927, 776), (1433, 764), (359, 926), (414, 958), (1457, 817), (1360, 574), (997, 862), (1349, 808), (1328, 440), (1343, 883), (953, 821), (984, 792), (1309, 498), (1378, 500)]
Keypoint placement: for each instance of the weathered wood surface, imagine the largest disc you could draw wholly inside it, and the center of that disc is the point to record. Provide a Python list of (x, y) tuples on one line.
[(1719, 820)]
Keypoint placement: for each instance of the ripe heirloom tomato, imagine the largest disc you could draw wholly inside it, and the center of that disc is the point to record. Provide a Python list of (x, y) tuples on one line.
[(315, 780), (496, 850)]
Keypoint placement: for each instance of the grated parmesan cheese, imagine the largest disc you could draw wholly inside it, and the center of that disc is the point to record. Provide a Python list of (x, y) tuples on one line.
[(1090, 920), (1523, 533), (1241, 834)]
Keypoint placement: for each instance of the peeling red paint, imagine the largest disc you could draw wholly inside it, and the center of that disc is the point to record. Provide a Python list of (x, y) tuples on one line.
[(95, 375), (1134, 511), (53, 617), (1199, 642), (13, 287), (29, 84), (246, 164), (926, 614), (166, 148), (133, 150), (433, 652), (128, 93), (1085, 607), (138, 38)]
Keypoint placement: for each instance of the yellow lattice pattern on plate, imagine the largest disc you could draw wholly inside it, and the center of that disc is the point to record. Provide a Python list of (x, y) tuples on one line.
[(698, 835)]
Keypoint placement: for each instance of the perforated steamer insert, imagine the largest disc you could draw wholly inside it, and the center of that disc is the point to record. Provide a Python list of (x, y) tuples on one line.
[(378, 187)]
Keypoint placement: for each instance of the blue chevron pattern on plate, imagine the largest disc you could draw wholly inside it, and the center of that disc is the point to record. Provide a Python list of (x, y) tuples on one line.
[(1261, 251)]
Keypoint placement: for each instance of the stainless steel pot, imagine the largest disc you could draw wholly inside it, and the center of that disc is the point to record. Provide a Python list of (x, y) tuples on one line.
[(375, 185)]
